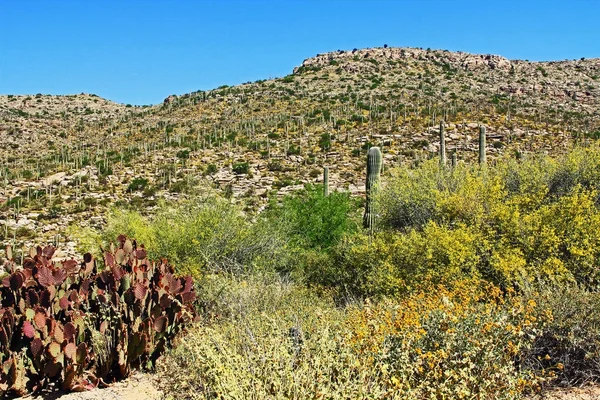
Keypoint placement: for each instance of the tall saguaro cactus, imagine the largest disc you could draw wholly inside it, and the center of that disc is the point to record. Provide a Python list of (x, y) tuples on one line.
[(442, 145), (325, 181), (482, 145), (374, 162)]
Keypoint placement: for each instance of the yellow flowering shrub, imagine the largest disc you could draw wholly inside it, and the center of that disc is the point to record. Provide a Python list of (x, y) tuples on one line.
[(440, 343), (511, 223), (394, 263), (576, 220)]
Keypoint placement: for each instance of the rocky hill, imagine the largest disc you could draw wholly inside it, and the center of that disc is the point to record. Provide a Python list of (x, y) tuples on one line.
[(67, 158)]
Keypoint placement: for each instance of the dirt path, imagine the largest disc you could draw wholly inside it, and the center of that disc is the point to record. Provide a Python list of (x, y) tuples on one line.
[(138, 386)]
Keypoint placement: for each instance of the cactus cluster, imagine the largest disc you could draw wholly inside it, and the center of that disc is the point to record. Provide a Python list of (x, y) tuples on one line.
[(67, 324)]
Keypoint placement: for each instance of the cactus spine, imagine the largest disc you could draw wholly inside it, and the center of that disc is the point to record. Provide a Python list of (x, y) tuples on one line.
[(442, 145), (325, 181), (482, 145), (374, 163)]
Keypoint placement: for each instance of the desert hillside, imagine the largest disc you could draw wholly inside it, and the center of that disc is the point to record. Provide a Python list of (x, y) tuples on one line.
[(67, 158)]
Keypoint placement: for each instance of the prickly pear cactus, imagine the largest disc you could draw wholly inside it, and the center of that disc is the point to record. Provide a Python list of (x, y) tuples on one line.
[(68, 324), (374, 163)]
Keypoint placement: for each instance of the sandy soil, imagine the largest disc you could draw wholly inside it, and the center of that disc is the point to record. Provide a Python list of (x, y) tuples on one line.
[(138, 386), (589, 392)]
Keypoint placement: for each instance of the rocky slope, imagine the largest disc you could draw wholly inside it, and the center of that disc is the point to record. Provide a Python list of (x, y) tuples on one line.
[(67, 158)]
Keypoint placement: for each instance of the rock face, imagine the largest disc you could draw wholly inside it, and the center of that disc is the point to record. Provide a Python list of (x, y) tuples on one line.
[(556, 73), (466, 60), (68, 158), (170, 99), (471, 62)]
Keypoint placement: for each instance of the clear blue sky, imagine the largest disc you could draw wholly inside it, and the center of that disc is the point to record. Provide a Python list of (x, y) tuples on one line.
[(139, 52)]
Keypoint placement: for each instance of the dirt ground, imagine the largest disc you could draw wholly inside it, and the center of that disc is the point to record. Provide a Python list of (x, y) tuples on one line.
[(589, 392), (138, 386)]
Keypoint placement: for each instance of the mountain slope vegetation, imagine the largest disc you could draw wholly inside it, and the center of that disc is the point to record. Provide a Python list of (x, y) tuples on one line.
[(65, 158)]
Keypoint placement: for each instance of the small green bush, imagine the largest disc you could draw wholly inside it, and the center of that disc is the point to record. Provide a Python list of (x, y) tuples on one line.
[(240, 168), (313, 221), (211, 169), (137, 185)]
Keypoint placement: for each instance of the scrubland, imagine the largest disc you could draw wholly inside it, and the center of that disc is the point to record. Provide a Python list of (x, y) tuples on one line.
[(478, 282)]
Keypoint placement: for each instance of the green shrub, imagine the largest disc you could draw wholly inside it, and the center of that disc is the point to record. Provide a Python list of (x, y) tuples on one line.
[(313, 221), (205, 233), (183, 154), (137, 185), (240, 168), (293, 150), (325, 141), (211, 169)]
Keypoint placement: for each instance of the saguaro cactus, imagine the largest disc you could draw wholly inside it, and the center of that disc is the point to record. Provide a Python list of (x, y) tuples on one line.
[(374, 162), (442, 145), (454, 159), (481, 145), (325, 181)]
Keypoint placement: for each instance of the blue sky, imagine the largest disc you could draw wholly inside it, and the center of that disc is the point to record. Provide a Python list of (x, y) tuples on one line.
[(139, 52)]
